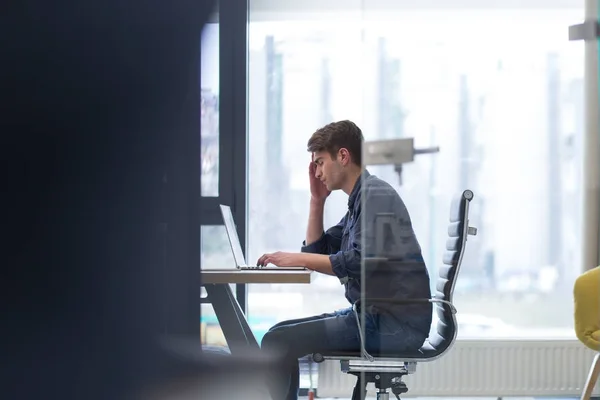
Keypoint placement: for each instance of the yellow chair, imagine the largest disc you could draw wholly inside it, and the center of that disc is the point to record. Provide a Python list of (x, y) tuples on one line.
[(586, 294)]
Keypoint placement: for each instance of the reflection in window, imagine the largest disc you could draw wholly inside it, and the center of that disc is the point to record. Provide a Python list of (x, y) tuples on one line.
[(506, 109), (215, 250), (209, 110)]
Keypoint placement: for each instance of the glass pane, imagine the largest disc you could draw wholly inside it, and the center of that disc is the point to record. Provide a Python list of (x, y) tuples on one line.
[(209, 103), (290, 92), (508, 120), (506, 109), (215, 251)]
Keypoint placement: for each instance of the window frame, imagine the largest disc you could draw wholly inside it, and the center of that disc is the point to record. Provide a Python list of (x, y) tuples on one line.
[(232, 19)]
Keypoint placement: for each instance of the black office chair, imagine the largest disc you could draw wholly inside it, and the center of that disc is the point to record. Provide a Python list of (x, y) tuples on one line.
[(387, 371)]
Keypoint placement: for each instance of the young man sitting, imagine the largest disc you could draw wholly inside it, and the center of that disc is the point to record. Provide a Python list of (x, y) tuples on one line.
[(336, 165)]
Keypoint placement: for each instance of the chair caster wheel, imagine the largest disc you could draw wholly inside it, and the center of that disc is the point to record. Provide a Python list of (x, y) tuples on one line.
[(399, 388)]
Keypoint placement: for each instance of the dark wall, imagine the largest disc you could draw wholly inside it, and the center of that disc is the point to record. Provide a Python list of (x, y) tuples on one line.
[(100, 155)]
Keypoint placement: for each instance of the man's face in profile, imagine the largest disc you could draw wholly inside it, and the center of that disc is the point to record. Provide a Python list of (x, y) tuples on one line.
[(328, 170)]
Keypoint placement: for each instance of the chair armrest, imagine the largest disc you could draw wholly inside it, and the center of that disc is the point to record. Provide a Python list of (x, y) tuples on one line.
[(407, 301)]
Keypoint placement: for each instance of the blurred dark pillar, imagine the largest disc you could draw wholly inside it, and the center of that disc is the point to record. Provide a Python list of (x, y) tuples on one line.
[(98, 100)]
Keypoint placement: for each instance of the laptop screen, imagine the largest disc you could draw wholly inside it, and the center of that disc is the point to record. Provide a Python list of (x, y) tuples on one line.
[(234, 239)]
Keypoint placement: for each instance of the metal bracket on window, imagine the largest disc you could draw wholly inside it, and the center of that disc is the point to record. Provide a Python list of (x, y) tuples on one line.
[(589, 30)]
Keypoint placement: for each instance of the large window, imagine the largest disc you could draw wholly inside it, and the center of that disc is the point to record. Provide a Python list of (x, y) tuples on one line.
[(501, 93)]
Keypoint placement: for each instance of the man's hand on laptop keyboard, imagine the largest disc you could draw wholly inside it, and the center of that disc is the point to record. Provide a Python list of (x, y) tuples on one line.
[(280, 259)]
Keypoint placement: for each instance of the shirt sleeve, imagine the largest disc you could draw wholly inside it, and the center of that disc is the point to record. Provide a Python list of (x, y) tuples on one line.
[(346, 263), (330, 242)]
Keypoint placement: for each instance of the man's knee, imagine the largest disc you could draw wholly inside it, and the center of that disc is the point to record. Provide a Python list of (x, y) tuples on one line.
[(271, 339), (274, 342)]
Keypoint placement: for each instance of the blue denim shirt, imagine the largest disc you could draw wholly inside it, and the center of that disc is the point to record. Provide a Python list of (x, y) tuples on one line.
[(383, 231)]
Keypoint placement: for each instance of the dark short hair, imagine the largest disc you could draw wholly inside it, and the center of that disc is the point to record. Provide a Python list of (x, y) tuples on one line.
[(336, 135)]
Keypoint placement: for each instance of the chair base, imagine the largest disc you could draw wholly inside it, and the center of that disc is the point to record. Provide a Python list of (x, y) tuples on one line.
[(382, 380), (384, 375)]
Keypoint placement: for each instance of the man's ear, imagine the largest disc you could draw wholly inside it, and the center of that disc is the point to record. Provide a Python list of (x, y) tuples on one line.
[(344, 156)]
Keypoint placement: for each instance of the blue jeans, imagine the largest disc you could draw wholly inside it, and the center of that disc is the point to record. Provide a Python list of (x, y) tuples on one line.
[(331, 332)]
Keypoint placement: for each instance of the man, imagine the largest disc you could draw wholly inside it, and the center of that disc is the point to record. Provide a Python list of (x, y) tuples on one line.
[(336, 165)]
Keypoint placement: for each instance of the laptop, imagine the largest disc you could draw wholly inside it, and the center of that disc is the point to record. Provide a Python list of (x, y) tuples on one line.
[(236, 247)]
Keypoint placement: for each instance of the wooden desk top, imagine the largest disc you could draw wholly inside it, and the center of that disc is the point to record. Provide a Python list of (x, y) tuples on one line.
[(224, 276)]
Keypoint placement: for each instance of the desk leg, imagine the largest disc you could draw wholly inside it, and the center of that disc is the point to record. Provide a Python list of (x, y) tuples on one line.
[(233, 322)]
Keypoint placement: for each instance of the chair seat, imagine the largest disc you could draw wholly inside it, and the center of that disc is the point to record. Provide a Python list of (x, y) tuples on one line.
[(425, 352)]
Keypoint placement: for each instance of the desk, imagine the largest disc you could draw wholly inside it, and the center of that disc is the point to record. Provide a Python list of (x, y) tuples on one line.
[(232, 320)]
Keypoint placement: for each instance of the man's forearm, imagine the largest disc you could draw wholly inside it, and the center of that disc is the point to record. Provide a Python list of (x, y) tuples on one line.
[(315, 221), (317, 262)]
